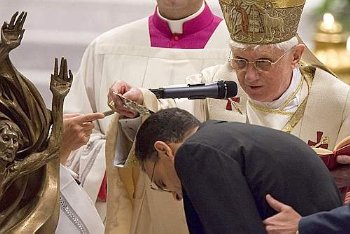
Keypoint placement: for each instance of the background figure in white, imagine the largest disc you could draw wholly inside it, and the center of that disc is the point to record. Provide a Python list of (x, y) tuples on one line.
[(160, 50)]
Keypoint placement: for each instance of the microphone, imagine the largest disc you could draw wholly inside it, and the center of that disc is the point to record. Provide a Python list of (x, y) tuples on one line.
[(218, 90)]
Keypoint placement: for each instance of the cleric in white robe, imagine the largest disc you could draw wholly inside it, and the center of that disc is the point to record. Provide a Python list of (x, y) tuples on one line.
[(135, 52)]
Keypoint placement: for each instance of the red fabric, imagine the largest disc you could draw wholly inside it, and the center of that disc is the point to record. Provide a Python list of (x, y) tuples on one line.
[(344, 150), (233, 99), (196, 32), (102, 194), (330, 159), (319, 137), (228, 105)]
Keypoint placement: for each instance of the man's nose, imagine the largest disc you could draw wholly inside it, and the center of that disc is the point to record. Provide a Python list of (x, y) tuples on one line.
[(251, 72)]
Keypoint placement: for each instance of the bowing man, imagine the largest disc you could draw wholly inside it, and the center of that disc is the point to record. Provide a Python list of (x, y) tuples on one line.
[(223, 171)]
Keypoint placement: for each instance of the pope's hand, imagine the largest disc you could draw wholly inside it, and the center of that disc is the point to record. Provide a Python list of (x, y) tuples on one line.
[(127, 91), (341, 175)]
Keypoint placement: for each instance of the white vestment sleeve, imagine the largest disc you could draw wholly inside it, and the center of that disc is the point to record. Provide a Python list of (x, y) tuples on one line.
[(77, 212)]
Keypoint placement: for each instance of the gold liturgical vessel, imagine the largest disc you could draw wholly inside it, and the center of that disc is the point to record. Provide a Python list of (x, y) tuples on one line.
[(332, 47)]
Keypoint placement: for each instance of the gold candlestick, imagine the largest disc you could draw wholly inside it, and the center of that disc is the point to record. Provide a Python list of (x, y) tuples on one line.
[(332, 47)]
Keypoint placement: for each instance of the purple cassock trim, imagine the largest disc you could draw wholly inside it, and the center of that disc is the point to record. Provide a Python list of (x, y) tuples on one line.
[(196, 32)]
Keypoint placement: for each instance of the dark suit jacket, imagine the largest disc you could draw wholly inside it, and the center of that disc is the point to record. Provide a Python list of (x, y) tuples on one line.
[(336, 221), (226, 170)]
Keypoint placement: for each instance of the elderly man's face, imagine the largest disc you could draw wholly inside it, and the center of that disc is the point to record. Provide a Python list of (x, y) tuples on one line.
[(261, 85), (164, 177)]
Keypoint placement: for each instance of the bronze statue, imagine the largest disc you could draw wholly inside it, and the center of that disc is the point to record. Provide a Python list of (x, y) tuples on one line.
[(30, 137)]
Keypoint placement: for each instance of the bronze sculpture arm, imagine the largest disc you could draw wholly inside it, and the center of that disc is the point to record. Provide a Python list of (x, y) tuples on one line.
[(60, 84), (11, 34)]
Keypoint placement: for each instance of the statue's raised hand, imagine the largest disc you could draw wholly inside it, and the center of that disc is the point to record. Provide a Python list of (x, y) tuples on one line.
[(61, 80), (12, 33)]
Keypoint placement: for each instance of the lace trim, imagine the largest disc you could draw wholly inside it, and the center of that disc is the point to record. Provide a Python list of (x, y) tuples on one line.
[(74, 218), (85, 172)]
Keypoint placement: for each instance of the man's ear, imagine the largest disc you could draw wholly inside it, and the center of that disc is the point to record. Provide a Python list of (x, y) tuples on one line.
[(164, 150), (297, 53)]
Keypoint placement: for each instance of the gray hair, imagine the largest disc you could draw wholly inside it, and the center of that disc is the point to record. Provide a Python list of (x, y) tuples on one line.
[(284, 46)]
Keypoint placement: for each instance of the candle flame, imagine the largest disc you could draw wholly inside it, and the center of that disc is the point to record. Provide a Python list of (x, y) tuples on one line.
[(328, 20)]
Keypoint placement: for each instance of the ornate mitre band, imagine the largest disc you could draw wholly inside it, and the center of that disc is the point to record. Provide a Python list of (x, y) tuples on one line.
[(262, 21)]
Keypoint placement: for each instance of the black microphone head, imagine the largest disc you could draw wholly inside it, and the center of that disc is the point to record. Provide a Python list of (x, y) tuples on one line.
[(231, 88)]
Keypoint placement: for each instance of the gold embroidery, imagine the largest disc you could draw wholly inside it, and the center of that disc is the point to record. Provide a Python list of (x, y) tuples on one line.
[(262, 21), (308, 73)]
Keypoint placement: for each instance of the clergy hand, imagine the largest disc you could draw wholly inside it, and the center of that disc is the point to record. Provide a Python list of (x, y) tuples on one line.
[(341, 176), (12, 33), (127, 91), (77, 129), (343, 159), (286, 221)]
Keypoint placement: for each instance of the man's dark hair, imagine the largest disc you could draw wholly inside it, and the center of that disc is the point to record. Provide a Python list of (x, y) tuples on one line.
[(168, 125)]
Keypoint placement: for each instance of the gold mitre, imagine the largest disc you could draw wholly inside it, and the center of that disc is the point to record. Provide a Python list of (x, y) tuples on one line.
[(262, 21)]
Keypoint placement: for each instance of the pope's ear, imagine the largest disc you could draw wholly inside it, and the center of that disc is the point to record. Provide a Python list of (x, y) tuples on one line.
[(163, 149), (297, 53)]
